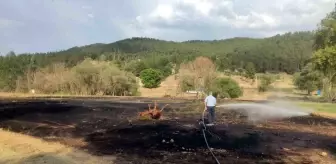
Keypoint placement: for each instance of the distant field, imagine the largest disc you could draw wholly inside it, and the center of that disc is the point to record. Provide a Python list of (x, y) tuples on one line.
[(322, 109), (319, 107), (169, 88)]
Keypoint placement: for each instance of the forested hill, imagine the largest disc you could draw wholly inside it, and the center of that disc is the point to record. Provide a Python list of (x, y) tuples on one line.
[(147, 46), (280, 53)]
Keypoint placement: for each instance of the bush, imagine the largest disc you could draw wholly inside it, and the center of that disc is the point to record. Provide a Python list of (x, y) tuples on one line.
[(265, 83), (309, 79), (197, 75), (262, 87), (151, 78), (87, 78), (186, 83), (135, 67), (160, 63), (250, 71), (226, 88)]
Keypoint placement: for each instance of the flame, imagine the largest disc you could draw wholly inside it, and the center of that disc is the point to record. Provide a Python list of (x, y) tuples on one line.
[(153, 113)]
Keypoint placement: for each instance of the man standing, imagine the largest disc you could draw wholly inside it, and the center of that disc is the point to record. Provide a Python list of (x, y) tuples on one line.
[(209, 105)]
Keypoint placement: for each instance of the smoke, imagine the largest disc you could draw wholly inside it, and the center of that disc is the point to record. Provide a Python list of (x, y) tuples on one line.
[(256, 112)]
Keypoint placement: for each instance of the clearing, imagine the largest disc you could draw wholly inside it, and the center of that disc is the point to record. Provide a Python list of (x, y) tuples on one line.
[(169, 87), (109, 131)]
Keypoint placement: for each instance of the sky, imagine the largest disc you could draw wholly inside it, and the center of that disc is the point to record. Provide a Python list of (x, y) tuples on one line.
[(49, 25)]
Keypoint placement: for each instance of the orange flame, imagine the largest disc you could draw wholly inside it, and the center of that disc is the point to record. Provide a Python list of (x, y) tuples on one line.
[(154, 113)]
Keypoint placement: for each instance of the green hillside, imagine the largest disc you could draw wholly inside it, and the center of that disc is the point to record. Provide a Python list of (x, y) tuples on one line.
[(280, 53)]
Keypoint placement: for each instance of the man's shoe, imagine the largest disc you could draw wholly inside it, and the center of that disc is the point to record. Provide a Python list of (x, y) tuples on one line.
[(211, 124)]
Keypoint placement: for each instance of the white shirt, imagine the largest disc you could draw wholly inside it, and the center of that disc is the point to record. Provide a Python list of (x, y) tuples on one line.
[(210, 101)]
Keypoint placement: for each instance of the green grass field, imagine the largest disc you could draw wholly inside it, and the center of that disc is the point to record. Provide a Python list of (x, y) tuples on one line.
[(319, 107)]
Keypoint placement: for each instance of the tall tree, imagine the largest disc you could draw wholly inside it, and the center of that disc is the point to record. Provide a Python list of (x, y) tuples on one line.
[(309, 79), (324, 58), (250, 71), (326, 33)]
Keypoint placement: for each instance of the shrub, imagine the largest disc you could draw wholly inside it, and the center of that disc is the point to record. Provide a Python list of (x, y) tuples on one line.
[(197, 74), (186, 83), (250, 71), (151, 78), (265, 83), (135, 67), (160, 63), (308, 79), (226, 88), (87, 78)]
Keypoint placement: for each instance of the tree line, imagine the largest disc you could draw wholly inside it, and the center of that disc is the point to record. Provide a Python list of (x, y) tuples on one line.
[(309, 55), (280, 53), (320, 71)]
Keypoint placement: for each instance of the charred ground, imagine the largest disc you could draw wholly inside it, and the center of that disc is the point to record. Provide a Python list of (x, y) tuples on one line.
[(111, 127)]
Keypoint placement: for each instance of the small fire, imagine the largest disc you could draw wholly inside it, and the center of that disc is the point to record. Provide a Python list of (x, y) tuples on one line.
[(154, 113)]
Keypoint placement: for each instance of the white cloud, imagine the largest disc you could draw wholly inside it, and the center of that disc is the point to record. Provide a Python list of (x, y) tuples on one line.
[(7, 23), (90, 15), (257, 17), (86, 7), (52, 25)]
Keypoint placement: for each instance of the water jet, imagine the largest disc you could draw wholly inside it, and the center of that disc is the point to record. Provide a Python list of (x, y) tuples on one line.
[(256, 112)]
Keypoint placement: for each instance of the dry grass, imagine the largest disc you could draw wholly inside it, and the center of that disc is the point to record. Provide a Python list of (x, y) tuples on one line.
[(253, 94), (326, 114), (18, 148), (24, 95), (170, 87), (28, 95), (88, 77), (285, 82), (167, 87)]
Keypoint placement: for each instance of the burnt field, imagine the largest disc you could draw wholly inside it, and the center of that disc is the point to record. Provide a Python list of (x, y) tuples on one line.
[(112, 128)]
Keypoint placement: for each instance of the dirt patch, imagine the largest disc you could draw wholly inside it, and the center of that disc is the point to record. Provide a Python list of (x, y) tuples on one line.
[(169, 87), (110, 127), (18, 148)]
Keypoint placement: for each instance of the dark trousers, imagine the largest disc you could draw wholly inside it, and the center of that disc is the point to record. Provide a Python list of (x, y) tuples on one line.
[(211, 114)]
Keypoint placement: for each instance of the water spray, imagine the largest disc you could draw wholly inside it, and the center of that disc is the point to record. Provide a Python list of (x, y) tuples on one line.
[(257, 112)]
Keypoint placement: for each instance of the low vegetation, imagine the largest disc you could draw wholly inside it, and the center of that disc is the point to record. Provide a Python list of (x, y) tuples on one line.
[(197, 75), (265, 82), (250, 72), (86, 78), (151, 78), (201, 75), (226, 88), (308, 79), (319, 107)]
